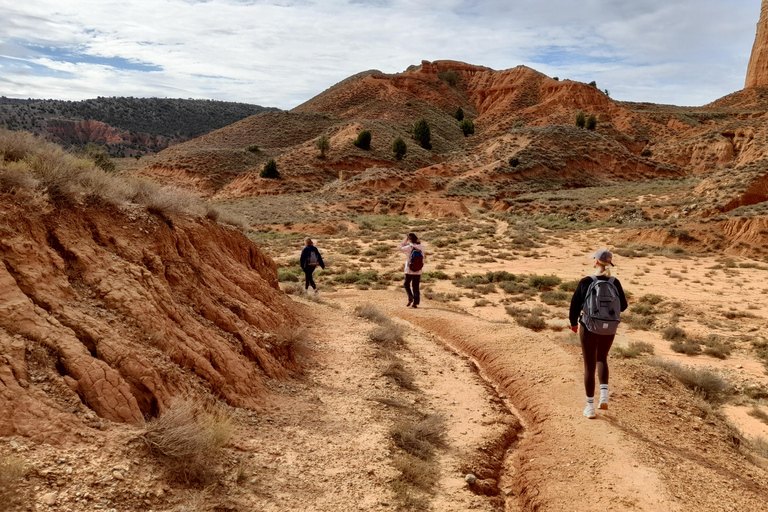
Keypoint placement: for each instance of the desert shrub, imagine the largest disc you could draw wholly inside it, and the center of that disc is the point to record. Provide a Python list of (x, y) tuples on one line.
[(593, 84), (99, 155), (416, 472), (500, 276), (642, 347), (759, 414), (422, 134), (12, 471), (363, 140), (400, 375), (253, 148), (288, 274), (733, 315), (514, 161), (760, 446), (323, 144), (467, 127), (399, 148), (702, 381), (512, 287), (479, 303), (716, 348), (371, 312), (367, 277), (674, 333), (286, 337), (651, 298), (542, 283), (449, 76), (646, 152), (436, 274), (459, 115), (686, 347), (581, 119), (420, 438), (293, 288), (591, 123), (555, 298), (643, 309), (530, 319), (569, 286), (270, 170), (388, 334), (187, 438), (634, 349), (638, 322)]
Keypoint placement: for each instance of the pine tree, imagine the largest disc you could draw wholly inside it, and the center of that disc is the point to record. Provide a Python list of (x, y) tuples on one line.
[(422, 133), (399, 148), (270, 170)]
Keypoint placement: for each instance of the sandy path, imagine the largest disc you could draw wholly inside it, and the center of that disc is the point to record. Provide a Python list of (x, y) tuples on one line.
[(651, 451)]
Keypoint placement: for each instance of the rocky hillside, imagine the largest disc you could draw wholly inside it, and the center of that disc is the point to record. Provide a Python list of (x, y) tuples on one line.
[(111, 307), (127, 126)]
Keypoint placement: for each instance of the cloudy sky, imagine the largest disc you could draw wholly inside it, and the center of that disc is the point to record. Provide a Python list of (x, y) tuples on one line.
[(282, 52)]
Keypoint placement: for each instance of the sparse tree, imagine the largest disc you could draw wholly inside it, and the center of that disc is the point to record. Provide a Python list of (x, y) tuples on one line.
[(591, 123), (323, 145), (449, 76), (422, 133), (581, 119), (270, 170), (459, 115), (399, 148), (468, 127), (363, 140), (514, 161), (593, 84)]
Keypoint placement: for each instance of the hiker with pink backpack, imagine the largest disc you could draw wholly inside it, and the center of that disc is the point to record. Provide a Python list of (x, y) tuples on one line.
[(595, 314), (414, 264)]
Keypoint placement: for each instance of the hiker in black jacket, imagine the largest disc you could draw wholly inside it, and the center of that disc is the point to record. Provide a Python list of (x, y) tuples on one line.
[(594, 346), (310, 259)]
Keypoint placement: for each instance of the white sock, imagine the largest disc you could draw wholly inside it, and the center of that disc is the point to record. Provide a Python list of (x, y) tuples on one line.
[(604, 392), (590, 401)]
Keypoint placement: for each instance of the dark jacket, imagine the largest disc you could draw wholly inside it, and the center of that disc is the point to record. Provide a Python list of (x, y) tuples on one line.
[(577, 301), (304, 260)]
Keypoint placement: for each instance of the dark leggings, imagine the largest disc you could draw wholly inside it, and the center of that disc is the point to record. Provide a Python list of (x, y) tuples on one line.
[(308, 281), (413, 280), (594, 348)]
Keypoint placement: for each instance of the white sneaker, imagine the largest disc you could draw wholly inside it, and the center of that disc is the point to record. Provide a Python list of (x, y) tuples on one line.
[(589, 411), (603, 404)]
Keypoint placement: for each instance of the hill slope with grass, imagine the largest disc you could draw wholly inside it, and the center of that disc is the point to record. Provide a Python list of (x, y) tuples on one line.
[(126, 126)]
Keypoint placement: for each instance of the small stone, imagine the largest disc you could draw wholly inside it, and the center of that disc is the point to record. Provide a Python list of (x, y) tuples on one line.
[(470, 478), (49, 499), (117, 475)]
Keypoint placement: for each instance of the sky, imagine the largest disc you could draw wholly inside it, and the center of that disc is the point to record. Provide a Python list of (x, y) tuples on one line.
[(280, 53)]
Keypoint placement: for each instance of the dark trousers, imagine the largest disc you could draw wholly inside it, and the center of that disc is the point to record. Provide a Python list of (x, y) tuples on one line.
[(594, 348), (412, 280), (308, 281)]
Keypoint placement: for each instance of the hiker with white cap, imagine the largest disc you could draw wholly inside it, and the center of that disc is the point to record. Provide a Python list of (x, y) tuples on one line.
[(595, 310)]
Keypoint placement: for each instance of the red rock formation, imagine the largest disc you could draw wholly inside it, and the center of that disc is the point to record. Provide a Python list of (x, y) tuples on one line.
[(757, 71), (81, 132), (135, 309)]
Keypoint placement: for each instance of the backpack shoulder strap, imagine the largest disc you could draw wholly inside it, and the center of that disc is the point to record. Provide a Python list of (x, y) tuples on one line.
[(611, 280), (594, 278)]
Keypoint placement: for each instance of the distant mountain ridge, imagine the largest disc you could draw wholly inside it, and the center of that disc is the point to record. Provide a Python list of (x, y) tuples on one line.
[(127, 126)]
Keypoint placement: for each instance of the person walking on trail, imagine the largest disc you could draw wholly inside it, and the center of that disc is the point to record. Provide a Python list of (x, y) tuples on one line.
[(595, 309), (414, 265), (310, 259)]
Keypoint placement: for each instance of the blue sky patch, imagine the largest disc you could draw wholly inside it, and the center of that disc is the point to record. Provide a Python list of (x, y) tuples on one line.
[(75, 56)]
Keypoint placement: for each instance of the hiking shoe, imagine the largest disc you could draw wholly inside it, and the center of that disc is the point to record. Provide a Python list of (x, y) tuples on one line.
[(603, 404), (589, 411), (409, 304), (415, 306)]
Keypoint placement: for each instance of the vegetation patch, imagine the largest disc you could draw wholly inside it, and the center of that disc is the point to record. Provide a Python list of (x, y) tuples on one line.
[(420, 438), (702, 381), (371, 312), (528, 318)]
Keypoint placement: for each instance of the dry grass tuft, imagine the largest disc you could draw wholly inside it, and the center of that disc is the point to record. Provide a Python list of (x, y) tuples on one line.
[(420, 438), (187, 439), (416, 472), (705, 382), (634, 349), (388, 334), (400, 375), (760, 446), (12, 472), (759, 414), (371, 312)]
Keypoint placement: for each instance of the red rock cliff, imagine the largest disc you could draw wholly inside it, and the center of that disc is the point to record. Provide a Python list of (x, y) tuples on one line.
[(132, 309), (757, 71)]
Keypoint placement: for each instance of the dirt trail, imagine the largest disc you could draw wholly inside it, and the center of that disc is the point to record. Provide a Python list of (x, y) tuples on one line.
[(648, 452)]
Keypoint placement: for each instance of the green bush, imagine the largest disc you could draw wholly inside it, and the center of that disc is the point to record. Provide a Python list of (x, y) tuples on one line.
[(449, 76), (514, 161), (459, 115), (542, 283), (399, 148), (253, 148), (467, 127), (99, 155), (674, 333), (591, 122), (555, 298), (569, 286), (581, 119), (288, 275), (363, 140), (422, 134), (270, 170), (323, 144)]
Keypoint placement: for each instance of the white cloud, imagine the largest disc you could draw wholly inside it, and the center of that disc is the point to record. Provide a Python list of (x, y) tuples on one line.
[(281, 53)]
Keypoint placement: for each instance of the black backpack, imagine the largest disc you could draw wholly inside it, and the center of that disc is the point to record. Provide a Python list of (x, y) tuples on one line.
[(602, 307)]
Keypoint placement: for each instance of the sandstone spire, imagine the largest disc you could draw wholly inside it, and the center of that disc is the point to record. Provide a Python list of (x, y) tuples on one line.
[(757, 72)]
